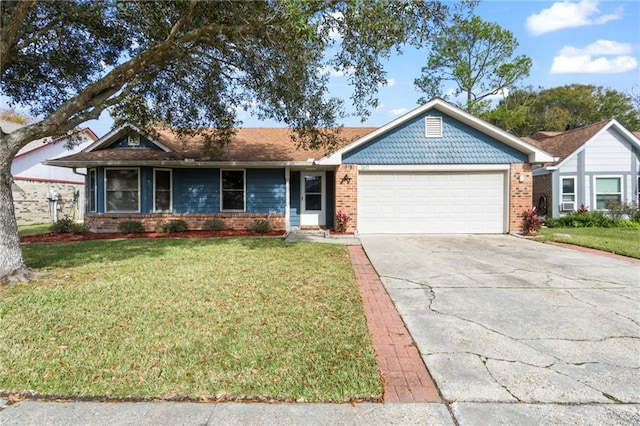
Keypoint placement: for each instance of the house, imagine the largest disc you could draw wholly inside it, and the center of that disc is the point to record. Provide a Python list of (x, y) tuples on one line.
[(436, 169), (594, 164), (42, 193)]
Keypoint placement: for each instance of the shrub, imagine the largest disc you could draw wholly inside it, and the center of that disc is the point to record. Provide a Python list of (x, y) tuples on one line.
[(583, 209), (174, 226), (131, 227), (68, 226), (342, 220), (260, 226), (594, 219), (214, 225), (530, 222)]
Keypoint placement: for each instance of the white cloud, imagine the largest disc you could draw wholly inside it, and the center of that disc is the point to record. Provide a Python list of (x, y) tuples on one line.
[(399, 111), (568, 14), (333, 72), (592, 59), (391, 82)]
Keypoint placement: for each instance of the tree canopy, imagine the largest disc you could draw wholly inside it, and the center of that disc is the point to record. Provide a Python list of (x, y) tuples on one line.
[(528, 110), (195, 64), (477, 57)]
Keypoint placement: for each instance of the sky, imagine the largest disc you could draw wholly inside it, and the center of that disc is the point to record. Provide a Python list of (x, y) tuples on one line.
[(579, 41)]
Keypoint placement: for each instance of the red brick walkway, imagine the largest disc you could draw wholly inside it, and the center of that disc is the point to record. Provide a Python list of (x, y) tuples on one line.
[(405, 376)]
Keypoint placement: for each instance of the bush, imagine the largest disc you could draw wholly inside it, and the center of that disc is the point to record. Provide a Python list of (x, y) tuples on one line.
[(260, 226), (530, 221), (131, 227), (342, 220), (214, 225), (594, 219), (174, 226), (68, 226)]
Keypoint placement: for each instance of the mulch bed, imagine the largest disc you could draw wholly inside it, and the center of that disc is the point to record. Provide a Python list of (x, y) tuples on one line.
[(65, 237)]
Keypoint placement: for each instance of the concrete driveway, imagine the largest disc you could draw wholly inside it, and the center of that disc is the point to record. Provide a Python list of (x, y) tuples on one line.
[(518, 332)]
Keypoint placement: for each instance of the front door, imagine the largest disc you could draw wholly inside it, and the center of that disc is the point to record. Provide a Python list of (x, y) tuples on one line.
[(312, 199)]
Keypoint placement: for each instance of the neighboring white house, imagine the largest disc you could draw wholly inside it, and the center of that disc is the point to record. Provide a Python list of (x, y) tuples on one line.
[(42, 193), (594, 164)]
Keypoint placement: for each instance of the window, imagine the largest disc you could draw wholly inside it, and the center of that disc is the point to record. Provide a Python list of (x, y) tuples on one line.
[(607, 189), (93, 184), (433, 127), (232, 190), (568, 193), (162, 190), (638, 187), (121, 189)]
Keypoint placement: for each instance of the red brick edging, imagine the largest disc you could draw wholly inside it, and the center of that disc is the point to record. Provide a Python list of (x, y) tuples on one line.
[(404, 374)]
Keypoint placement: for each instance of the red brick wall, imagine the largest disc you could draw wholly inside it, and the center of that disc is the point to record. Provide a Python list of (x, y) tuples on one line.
[(347, 193), (520, 194), (542, 186), (109, 222)]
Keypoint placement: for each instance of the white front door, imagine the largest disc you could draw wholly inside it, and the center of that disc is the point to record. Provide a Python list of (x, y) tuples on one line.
[(312, 199)]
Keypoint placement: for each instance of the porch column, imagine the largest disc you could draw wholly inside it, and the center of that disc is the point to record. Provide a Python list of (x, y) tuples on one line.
[(346, 193)]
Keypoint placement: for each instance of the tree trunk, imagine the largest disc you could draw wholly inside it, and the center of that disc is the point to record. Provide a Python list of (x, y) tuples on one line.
[(11, 261)]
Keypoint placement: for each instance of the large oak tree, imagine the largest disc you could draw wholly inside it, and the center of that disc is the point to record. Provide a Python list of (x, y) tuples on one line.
[(194, 64)]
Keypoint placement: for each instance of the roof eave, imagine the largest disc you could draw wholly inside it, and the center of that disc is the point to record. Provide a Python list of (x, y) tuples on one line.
[(177, 163)]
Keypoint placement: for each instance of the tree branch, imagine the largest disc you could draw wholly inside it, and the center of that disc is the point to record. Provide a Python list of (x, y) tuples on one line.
[(9, 31)]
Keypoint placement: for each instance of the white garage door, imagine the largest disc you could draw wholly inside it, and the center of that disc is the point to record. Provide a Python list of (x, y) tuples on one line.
[(431, 203)]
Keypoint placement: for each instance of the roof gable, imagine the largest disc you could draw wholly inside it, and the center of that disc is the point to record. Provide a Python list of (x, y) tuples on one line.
[(567, 145), (438, 106), (458, 143)]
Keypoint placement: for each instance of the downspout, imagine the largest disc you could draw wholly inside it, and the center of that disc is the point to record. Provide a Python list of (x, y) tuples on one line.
[(75, 171)]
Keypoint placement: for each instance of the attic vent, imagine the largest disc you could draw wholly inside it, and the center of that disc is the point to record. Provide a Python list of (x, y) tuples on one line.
[(433, 127), (134, 140)]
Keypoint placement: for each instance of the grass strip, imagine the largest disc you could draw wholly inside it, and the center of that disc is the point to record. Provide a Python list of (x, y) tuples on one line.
[(235, 318), (624, 241)]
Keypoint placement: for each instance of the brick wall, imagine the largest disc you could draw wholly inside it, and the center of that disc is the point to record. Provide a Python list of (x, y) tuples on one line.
[(542, 186), (520, 194), (32, 206), (347, 193), (108, 222)]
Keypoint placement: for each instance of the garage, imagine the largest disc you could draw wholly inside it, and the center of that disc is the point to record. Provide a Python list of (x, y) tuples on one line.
[(391, 202)]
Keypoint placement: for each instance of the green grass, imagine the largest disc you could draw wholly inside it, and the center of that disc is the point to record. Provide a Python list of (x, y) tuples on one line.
[(41, 228), (625, 241), (197, 319)]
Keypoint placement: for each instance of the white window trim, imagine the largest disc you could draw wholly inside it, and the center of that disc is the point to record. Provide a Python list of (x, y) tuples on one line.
[(244, 190), (170, 190), (93, 199), (575, 190), (106, 206), (595, 189), (436, 122)]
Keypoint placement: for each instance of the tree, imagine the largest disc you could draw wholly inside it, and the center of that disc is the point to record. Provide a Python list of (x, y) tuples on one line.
[(562, 108), (193, 64), (475, 55)]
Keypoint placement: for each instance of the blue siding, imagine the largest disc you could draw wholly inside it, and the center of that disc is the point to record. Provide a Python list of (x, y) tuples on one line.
[(146, 189), (460, 144), (196, 190), (124, 143), (265, 191), (294, 193)]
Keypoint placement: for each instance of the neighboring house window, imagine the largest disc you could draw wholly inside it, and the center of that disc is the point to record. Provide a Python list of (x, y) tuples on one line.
[(608, 189), (433, 127), (162, 190), (93, 190), (122, 187), (568, 193), (232, 188), (638, 191)]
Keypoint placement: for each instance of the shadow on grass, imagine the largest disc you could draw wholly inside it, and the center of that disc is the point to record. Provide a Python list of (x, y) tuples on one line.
[(84, 253)]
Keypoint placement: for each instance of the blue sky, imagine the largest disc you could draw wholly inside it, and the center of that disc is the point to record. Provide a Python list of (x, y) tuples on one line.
[(578, 41)]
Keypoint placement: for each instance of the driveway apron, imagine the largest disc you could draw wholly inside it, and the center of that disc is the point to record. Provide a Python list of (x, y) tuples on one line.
[(501, 320)]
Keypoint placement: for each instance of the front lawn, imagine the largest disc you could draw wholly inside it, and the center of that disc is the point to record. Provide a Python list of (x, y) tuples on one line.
[(40, 228), (181, 318), (625, 241)]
